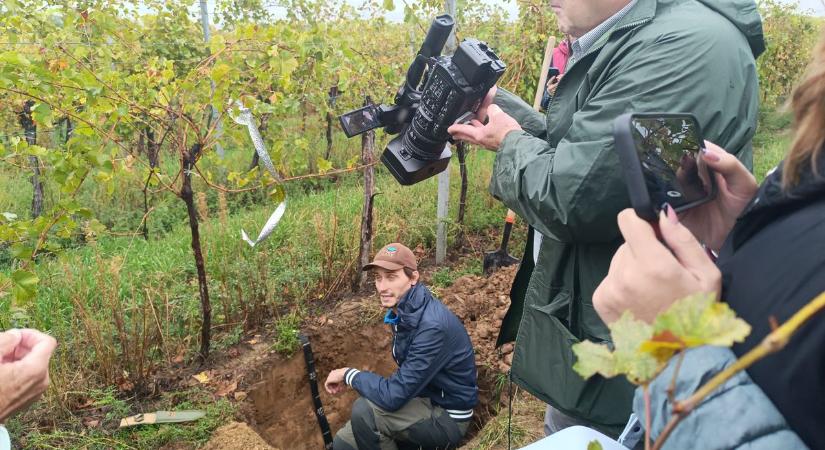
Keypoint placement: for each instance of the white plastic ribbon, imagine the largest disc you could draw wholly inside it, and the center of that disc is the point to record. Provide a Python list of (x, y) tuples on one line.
[(245, 117)]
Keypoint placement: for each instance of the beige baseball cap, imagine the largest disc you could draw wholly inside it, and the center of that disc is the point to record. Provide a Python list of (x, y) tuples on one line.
[(393, 257)]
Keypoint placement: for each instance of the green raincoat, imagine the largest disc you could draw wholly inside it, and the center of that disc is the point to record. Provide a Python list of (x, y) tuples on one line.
[(562, 176)]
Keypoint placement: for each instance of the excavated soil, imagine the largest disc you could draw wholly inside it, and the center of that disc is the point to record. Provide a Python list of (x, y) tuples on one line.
[(237, 435), (277, 401)]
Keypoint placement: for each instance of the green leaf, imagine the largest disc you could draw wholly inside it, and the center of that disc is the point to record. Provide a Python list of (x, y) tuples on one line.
[(594, 445), (42, 114), (220, 71), (592, 358), (21, 251), (701, 320), (389, 5), (627, 358), (14, 59), (324, 166), (25, 284), (628, 335)]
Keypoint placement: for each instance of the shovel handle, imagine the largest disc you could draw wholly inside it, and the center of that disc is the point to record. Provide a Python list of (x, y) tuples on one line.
[(508, 228), (545, 64)]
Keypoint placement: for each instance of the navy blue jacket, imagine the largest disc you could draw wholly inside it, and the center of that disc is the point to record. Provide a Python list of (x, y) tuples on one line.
[(435, 360)]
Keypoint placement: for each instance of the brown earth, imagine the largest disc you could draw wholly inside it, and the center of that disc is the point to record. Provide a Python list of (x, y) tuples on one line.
[(274, 391), (237, 435)]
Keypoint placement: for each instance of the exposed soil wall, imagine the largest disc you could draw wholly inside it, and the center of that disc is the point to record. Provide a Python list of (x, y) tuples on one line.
[(279, 404)]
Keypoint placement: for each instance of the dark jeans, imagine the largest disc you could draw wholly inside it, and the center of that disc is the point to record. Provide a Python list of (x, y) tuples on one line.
[(418, 424)]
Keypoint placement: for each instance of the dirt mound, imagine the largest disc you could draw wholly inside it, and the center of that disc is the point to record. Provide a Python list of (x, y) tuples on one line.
[(237, 435), (481, 304), (353, 335)]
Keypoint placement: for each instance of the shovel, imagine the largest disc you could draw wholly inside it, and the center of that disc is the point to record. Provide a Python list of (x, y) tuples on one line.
[(500, 258)]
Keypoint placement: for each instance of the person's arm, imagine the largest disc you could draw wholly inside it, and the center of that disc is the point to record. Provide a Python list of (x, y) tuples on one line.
[(573, 189), (24, 369), (737, 415), (530, 120), (426, 356)]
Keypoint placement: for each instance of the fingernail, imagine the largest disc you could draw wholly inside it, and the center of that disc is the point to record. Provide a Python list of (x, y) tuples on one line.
[(670, 212), (709, 155)]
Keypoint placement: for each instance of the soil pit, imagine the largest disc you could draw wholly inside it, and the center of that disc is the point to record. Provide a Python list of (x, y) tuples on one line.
[(352, 335)]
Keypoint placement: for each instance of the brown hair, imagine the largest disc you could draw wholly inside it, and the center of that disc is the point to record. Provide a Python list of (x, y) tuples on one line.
[(808, 105), (408, 272)]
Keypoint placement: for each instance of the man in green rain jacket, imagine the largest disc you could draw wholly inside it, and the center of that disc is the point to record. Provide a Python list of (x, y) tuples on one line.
[(561, 174)]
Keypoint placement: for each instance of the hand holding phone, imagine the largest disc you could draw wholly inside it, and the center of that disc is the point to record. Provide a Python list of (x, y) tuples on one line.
[(660, 155)]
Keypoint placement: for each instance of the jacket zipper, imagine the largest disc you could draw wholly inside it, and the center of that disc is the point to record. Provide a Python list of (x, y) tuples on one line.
[(394, 334)]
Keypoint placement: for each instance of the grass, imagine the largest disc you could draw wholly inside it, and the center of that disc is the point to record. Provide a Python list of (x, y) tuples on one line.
[(182, 435), (122, 308), (444, 277), (772, 140), (525, 424)]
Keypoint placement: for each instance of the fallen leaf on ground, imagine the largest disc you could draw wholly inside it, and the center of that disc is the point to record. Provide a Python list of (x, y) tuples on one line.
[(202, 377)]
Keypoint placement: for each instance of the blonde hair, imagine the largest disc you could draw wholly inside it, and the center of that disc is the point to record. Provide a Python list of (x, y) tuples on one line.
[(808, 105)]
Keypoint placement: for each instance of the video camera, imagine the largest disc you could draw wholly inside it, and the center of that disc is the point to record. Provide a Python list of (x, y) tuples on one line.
[(453, 88)]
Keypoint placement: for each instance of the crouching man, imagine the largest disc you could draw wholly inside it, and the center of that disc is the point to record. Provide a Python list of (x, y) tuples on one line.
[(428, 402)]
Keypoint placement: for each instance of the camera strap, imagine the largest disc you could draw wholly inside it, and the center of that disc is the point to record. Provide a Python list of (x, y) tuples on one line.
[(246, 118), (316, 397)]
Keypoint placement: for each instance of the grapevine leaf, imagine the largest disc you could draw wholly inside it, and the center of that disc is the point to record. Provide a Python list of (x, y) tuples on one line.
[(592, 358), (628, 335), (25, 284), (701, 320)]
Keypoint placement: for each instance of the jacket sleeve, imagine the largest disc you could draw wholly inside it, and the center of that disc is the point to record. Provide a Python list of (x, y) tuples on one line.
[(530, 120), (426, 356), (738, 415), (573, 189)]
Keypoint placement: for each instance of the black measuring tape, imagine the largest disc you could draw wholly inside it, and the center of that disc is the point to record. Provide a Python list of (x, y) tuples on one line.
[(316, 397)]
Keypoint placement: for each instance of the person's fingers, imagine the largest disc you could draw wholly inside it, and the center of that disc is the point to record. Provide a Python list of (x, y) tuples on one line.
[(739, 180), (38, 345), (485, 104), (465, 132), (682, 243), (640, 237), (9, 341), (607, 298), (494, 111)]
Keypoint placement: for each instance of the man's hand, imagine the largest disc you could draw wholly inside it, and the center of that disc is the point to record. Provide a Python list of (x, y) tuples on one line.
[(488, 136), (712, 221), (335, 381), (24, 368), (552, 84), (646, 277)]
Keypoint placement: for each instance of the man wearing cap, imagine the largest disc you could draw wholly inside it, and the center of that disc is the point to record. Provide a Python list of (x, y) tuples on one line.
[(428, 402)]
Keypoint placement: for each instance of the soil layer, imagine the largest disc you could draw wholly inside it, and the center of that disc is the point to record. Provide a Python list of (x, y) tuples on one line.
[(353, 335)]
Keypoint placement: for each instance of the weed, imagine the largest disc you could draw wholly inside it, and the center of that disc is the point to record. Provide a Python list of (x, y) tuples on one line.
[(286, 333), (446, 276)]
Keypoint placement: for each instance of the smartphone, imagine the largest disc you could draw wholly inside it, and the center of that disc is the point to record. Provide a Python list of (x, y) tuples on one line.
[(660, 155), (552, 72)]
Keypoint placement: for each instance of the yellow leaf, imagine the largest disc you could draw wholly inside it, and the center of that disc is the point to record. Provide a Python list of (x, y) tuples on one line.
[(202, 377)]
